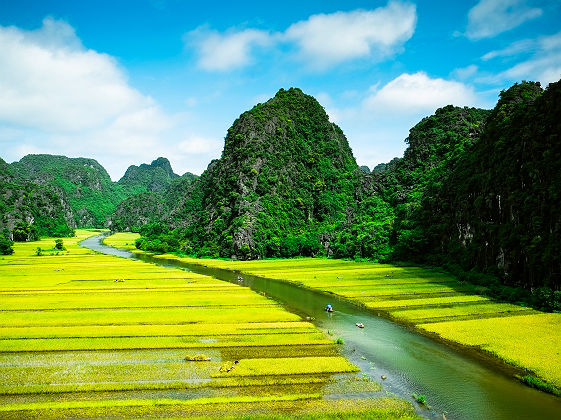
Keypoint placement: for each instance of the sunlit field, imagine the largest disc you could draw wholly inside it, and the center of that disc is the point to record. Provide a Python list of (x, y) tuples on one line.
[(122, 240), (428, 300), (85, 335)]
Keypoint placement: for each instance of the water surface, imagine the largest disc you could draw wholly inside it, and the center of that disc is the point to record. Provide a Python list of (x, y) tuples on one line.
[(457, 384)]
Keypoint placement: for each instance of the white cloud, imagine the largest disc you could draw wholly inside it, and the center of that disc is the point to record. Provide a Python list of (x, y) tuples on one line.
[(223, 52), (489, 18), (377, 125), (414, 93), (58, 97), (544, 65), (322, 40), (328, 39), (49, 81)]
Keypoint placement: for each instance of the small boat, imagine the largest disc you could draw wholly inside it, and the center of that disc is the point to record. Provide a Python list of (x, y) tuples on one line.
[(359, 325), (329, 308)]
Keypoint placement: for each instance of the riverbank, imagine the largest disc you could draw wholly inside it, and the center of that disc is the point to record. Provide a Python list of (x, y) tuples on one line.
[(84, 334), (432, 302)]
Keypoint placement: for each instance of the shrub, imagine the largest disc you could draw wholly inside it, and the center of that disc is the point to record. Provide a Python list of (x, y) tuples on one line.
[(421, 399), (6, 246)]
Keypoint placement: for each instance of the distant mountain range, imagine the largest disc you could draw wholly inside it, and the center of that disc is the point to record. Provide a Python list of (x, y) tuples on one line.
[(475, 189)]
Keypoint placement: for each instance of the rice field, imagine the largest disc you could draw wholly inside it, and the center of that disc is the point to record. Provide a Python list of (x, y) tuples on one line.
[(430, 301), (122, 240), (87, 335)]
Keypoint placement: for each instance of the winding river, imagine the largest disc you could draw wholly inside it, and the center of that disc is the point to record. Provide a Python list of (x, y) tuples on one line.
[(458, 384)]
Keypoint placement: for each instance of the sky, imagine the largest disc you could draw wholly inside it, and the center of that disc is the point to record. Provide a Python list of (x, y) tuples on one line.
[(125, 82)]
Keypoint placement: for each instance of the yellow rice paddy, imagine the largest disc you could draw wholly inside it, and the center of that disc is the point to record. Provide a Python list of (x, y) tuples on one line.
[(84, 335), (431, 301)]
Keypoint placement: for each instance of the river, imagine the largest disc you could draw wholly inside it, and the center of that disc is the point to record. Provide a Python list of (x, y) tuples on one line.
[(456, 383)]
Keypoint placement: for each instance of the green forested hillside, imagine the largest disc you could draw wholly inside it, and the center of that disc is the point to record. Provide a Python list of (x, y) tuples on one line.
[(84, 182), (505, 192), (155, 177), (154, 207), (476, 191), (487, 207), (286, 177), (29, 210)]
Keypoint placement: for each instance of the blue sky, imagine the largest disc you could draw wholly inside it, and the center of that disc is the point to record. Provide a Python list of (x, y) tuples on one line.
[(127, 81)]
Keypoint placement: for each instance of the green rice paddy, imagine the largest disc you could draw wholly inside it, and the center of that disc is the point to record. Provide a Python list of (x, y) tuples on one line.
[(85, 335), (432, 302)]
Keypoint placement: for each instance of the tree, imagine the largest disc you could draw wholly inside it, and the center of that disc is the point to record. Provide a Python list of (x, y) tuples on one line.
[(6, 246)]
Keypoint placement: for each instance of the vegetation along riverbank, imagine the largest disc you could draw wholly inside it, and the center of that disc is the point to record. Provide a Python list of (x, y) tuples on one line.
[(432, 302), (84, 335)]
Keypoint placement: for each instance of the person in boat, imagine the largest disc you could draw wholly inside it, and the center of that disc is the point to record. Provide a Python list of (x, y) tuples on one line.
[(359, 325), (329, 308)]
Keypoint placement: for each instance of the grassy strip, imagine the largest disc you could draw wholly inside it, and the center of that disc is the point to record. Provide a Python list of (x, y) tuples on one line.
[(135, 343), (140, 316), (191, 372), (148, 403), (132, 299), (457, 310), (275, 380), (155, 330), (423, 302), (316, 409), (290, 366), (537, 383)]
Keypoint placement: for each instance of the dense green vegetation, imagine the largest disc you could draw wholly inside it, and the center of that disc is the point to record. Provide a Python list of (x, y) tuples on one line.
[(45, 195), (29, 210), (486, 207), (476, 192), (155, 177), (84, 183), (286, 185)]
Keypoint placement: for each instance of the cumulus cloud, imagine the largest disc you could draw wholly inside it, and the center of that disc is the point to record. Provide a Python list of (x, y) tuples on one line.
[(414, 93), (50, 81), (222, 52), (378, 124), (58, 97), (489, 18), (327, 39), (322, 40)]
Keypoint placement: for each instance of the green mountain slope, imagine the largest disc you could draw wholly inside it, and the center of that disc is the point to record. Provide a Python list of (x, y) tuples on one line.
[(152, 207), (155, 177), (84, 182), (506, 191), (286, 177), (36, 210)]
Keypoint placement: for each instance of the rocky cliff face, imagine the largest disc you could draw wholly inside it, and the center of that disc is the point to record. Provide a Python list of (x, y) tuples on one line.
[(46, 212), (84, 183), (285, 171), (155, 177)]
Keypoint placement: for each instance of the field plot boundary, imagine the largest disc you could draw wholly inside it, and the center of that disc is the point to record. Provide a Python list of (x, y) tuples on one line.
[(80, 328)]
